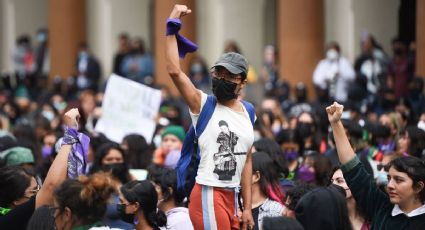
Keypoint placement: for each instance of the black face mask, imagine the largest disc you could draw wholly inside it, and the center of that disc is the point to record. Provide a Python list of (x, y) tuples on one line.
[(129, 218), (224, 90), (118, 170), (398, 51), (304, 129)]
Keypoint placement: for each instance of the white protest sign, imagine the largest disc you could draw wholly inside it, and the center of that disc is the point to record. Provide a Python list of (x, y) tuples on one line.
[(128, 108)]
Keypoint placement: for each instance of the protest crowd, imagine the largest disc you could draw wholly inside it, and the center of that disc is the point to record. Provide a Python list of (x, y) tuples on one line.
[(352, 158)]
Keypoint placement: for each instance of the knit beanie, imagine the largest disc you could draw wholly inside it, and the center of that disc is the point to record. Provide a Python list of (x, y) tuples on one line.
[(175, 130), (17, 156)]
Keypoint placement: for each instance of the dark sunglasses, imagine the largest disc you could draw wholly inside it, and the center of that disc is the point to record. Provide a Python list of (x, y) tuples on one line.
[(381, 166)]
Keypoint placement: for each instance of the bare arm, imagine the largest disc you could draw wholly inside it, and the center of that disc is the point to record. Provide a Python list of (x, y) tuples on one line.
[(191, 95), (58, 170), (246, 184), (343, 146)]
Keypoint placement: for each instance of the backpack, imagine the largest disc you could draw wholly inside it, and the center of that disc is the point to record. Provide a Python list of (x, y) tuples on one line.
[(187, 166)]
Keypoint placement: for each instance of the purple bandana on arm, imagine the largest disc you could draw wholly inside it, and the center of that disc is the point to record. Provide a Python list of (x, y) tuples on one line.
[(77, 160), (184, 45)]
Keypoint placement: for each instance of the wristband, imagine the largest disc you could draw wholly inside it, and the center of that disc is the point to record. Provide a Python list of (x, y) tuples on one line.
[(77, 158), (70, 136), (173, 26), (184, 45)]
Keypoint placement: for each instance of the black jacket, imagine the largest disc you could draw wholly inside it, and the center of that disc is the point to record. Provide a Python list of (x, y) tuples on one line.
[(376, 204)]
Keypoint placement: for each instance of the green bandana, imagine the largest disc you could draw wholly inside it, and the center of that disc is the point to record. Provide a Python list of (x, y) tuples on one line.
[(4, 211)]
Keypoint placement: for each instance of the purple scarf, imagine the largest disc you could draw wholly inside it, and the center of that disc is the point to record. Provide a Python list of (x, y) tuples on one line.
[(77, 159), (184, 45)]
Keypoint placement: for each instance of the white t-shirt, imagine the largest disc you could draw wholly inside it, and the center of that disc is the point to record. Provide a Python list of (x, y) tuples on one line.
[(223, 146)]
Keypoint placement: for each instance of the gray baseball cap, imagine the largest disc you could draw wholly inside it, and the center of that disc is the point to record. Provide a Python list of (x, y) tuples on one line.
[(233, 62)]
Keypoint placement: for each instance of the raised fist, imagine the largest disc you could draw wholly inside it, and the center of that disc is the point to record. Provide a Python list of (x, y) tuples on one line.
[(180, 11), (71, 118), (334, 112)]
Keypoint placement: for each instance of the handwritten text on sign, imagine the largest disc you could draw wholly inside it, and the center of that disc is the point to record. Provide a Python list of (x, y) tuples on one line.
[(128, 108)]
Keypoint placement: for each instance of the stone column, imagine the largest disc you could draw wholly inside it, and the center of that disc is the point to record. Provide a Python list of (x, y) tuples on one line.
[(7, 40), (300, 40), (162, 11), (67, 29)]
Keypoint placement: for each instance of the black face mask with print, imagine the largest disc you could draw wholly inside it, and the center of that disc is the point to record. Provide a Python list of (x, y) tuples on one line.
[(224, 90)]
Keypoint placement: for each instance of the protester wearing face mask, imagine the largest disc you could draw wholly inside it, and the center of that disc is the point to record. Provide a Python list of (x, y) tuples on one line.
[(315, 169), (225, 157), (199, 74), (357, 219), (393, 121), (169, 200), (381, 174), (169, 150), (290, 147), (334, 73), (267, 197), (81, 203), (110, 158), (307, 134), (88, 69), (138, 204), (20, 194), (403, 207)]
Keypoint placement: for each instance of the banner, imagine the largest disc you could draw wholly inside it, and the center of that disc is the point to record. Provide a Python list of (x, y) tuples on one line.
[(128, 107)]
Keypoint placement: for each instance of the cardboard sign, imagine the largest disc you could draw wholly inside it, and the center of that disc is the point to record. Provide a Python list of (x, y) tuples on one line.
[(128, 108)]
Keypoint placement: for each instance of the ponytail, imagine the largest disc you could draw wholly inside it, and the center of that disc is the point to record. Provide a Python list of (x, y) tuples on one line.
[(87, 197), (144, 192), (157, 219)]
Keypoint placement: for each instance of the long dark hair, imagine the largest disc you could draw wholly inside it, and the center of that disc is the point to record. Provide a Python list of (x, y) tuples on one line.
[(330, 182), (14, 180), (101, 153), (322, 166), (272, 148), (139, 152), (145, 194), (324, 208), (166, 178), (269, 176), (417, 141), (414, 168)]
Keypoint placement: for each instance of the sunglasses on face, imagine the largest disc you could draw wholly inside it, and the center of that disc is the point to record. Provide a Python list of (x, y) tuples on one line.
[(381, 166), (227, 77)]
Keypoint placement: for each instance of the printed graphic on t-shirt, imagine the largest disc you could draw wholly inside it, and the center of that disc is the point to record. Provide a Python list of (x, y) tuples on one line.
[(225, 160)]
